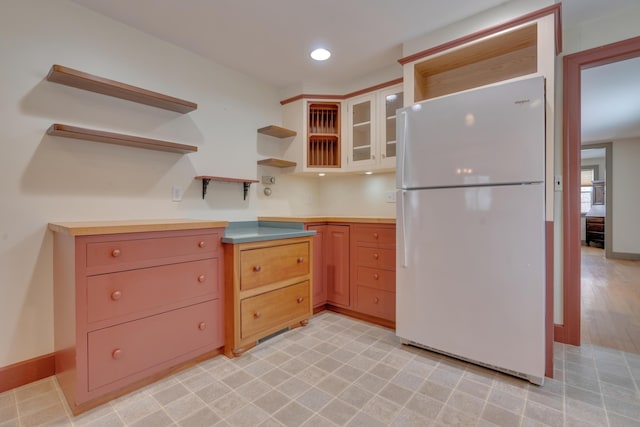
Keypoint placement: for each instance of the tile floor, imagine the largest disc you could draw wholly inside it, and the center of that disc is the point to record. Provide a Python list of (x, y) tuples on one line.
[(340, 371)]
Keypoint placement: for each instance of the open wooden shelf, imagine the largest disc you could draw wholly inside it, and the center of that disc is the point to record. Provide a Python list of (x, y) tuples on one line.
[(278, 163), (81, 80), (67, 131), (206, 179), (277, 131)]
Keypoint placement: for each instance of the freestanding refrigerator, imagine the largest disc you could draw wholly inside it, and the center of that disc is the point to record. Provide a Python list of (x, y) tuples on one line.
[(470, 234)]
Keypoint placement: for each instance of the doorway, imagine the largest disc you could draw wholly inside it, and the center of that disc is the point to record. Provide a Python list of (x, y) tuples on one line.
[(569, 331)]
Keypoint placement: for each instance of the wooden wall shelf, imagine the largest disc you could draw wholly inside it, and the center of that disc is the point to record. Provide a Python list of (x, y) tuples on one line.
[(206, 179), (67, 131), (81, 80), (277, 131), (278, 163)]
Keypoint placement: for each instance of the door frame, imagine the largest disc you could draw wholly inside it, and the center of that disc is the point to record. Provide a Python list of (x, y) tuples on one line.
[(569, 332)]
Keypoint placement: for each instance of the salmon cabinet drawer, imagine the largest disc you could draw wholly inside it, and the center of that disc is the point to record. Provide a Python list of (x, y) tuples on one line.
[(373, 234), (376, 302), (149, 290), (376, 278), (272, 264), (126, 254), (376, 257), (282, 306), (120, 351)]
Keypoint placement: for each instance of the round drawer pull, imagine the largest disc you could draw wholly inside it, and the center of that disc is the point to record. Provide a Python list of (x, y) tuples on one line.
[(257, 315), (116, 354), (376, 300), (376, 276), (202, 244), (201, 278), (115, 253), (299, 299), (376, 235), (376, 256), (116, 295), (257, 268), (202, 326), (300, 260)]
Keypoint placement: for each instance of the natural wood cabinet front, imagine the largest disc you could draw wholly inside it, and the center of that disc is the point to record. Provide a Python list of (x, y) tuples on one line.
[(267, 289), (264, 311), (261, 266)]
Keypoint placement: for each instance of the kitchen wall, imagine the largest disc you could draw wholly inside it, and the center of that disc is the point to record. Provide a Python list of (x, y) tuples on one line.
[(357, 195), (47, 178)]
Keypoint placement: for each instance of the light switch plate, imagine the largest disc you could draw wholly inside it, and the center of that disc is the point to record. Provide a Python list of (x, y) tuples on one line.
[(176, 193), (390, 196), (557, 183)]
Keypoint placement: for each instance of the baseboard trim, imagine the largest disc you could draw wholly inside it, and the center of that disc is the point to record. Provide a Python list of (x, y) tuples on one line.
[(27, 371), (625, 255)]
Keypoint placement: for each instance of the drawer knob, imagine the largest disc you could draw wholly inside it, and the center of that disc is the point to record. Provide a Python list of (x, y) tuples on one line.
[(376, 276), (257, 315), (375, 235), (115, 253), (257, 268), (116, 295), (202, 326), (376, 256), (300, 260), (202, 244), (299, 299), (116, 354), (201, 278), (376, 300)]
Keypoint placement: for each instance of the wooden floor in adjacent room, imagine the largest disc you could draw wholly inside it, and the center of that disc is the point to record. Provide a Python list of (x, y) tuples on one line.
[(610, 301)]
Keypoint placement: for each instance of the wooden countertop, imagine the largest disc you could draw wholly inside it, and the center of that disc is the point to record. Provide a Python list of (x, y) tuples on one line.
[(359, 219), (90, 228)]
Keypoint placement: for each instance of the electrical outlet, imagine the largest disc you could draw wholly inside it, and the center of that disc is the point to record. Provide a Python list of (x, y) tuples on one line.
[(390, 197), (557, 183), (176, 193)]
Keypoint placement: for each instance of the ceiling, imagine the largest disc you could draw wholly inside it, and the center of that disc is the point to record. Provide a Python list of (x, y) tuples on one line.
[(271, 41)]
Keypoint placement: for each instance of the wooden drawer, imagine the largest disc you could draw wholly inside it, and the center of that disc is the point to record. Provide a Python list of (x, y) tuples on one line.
[(120, 255), (384, 236), (376, 257), (259, 313), (123, 350), (376, 302), (151, 290), (597, 226), (376, 278), (272, 264), (595, 219)]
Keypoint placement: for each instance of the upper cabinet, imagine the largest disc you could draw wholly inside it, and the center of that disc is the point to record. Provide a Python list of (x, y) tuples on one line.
[(372, 129), (349, 133)]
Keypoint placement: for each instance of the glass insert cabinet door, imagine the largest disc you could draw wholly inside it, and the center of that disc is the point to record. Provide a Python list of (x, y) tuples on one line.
[(361, 131), (393, 102)]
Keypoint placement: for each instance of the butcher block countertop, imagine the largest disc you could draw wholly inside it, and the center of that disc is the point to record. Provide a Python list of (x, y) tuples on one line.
[(359, 219), (91, 228)]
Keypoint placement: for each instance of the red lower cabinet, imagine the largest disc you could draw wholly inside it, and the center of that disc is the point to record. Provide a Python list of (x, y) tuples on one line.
[(132, 305)]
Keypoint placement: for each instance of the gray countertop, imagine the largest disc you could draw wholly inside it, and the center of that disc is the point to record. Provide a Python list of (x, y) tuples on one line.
[(255, 231)]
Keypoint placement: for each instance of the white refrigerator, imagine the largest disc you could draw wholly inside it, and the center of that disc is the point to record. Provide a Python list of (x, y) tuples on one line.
[(470, 226)]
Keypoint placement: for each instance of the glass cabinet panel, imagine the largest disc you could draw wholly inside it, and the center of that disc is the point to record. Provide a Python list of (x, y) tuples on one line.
[(392, 103), (361, 131)]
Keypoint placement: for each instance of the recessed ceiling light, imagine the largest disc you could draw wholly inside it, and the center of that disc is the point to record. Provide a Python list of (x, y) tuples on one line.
[(321, 174), (320, 54), (368, 173)]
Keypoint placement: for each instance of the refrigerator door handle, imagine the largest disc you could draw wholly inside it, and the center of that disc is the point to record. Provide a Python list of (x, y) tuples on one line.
[(403, 229), (402, 145)]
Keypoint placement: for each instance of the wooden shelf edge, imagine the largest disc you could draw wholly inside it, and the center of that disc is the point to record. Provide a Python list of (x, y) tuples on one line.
[(206, 179), (75, 132), (81, 80), (277, 131), (278, 163)]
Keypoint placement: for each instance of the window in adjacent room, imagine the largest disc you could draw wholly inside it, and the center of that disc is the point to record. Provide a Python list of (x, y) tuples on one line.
[(587, 175)]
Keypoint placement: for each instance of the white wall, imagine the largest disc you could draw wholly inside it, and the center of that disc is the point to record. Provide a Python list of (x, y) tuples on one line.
[(625, 176), (357, 195), (47, 178)]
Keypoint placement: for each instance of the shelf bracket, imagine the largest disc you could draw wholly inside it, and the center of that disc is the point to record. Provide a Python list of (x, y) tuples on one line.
[(245, 186), (205, 183)]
